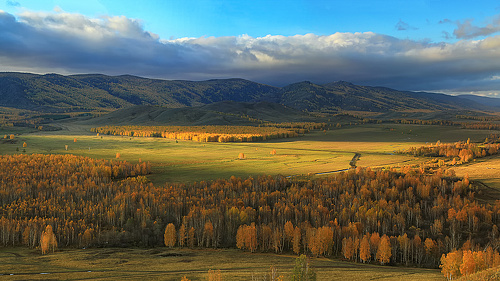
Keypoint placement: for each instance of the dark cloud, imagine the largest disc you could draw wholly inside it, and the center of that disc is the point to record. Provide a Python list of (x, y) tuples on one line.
[(13, 3), (467, 30), (71, 43), (401, 26)]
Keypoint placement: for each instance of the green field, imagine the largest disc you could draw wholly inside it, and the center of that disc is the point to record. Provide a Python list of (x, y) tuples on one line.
[(185, 161), (173, 264)]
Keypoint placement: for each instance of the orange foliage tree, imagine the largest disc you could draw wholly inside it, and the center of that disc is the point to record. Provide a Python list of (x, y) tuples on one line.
[(48, 240), (364, 249), (384, 251), (170, 235)]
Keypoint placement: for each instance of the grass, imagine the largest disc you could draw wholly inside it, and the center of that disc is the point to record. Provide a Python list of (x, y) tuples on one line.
[(186, 161), (172, 264)]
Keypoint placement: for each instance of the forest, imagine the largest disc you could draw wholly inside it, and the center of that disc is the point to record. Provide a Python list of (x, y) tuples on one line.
[(459, 152), (212, 133), (385, 216)]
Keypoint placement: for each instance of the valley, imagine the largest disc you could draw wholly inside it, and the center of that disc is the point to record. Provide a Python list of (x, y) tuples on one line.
[(125, 190)]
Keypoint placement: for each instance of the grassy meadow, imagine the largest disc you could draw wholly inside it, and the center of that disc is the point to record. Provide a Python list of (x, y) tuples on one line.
[(185, 161), (173, 264)]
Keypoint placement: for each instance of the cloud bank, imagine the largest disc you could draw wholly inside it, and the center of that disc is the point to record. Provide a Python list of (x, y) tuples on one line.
[(72, 43)]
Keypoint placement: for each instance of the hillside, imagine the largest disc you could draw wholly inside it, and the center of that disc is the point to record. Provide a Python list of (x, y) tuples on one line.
[(57, 93), (94, 92), (487, 101), (220, 113), (347, 96)]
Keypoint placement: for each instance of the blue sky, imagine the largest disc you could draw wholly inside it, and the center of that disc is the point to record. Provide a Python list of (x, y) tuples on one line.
[(445, 46)]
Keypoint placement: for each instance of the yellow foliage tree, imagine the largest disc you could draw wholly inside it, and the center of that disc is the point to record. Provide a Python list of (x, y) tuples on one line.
[(208, 233), (25, 144), (170, 235), (364, 249), (384, 251), (182, 235), (450, 264), (48, 240), (296, 240), (468, 265), (191, 240)]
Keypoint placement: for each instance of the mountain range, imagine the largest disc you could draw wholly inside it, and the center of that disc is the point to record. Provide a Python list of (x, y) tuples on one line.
[(53, 93)]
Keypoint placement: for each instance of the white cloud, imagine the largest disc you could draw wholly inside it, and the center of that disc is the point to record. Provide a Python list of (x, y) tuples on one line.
[(72, 43)]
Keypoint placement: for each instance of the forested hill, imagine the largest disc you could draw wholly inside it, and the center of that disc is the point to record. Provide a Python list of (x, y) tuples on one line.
[(91, 92), (54, 92)]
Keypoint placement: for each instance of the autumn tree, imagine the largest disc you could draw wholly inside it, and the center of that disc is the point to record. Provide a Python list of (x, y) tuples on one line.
[(374, 243), (450, 264), (240, 237), (48, 240), (251, 237), (468, 265), (87, 237), (384, 251), (430, 248), (208, 233), (348, 248), (169, 237), (364, 249), (191, 237), (289, 232), (182, 235), (296, 240)]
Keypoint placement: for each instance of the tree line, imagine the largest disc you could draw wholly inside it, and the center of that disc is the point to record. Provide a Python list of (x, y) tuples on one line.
[(211, 133), (462, 152)]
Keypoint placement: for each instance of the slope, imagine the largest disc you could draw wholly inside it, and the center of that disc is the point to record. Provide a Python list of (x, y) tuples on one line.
[(96, 92), (220, 113)]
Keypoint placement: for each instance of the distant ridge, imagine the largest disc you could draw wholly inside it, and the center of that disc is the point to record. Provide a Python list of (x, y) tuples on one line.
[(96, 92), (487, 101)]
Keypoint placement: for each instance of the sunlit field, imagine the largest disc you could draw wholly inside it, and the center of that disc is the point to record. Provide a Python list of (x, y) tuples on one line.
[(186, 161)]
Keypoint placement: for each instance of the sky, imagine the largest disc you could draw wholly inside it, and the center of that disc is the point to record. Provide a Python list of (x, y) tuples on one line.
[(443, 46)]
